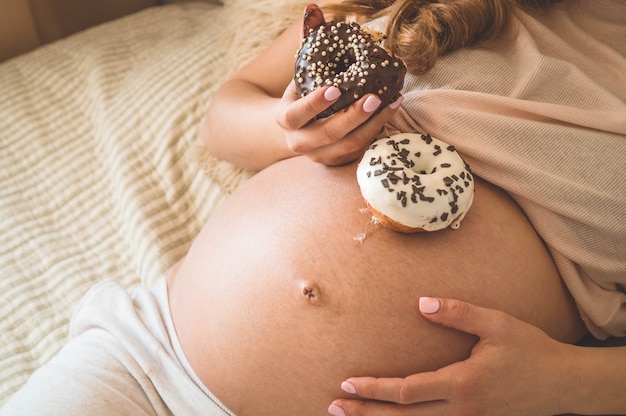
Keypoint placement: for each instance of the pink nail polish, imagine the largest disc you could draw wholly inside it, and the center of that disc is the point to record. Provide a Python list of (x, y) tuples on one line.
[(396, 103), (348, 387), (335, 410), (371, 103), (429, 305), (332, 93)]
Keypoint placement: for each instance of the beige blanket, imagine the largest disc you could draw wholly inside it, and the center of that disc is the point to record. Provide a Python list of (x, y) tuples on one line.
[(100, 173)]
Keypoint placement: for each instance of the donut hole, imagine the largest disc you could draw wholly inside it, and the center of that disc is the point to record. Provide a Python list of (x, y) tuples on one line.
[(346, 66), (345, 62), (419, 170), (341, 55), (425, 164)]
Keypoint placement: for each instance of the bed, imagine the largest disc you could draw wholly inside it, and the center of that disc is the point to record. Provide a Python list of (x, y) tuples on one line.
[(102, 171)]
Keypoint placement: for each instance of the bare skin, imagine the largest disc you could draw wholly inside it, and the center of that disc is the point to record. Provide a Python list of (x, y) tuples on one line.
[(502, 367), (277, 122), (277, 303), (500, 377)]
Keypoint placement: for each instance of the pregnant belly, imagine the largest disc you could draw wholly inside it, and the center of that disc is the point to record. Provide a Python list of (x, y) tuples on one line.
[(289, 289)]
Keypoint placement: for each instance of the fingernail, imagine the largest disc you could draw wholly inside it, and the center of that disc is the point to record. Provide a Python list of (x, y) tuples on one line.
[(332, 93), (335, 410), (371, 103), (348, 387), (396, 103), (429, 305)]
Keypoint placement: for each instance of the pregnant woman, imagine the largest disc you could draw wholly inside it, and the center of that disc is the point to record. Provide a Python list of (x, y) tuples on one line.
[(292, 300), (276, 303), (531, 112)]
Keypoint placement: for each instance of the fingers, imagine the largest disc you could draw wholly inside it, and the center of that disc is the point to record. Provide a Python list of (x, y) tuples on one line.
[(345, 407), (465, 317), (359, 119), (294, 112), (344, 136), (461, 386), (416, 388), (361, 408), (335, 140), (423, 394)]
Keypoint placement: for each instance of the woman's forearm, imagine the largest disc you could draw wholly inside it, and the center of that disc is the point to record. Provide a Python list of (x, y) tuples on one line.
[(240, 126), (598, 377)]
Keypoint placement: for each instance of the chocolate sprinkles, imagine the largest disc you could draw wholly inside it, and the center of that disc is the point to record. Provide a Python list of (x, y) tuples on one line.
[(428, 184)]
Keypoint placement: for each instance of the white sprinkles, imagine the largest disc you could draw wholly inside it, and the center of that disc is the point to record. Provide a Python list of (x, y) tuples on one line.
[(341, 54)]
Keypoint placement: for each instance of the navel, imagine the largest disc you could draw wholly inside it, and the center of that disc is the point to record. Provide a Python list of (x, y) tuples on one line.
[(311, 292)]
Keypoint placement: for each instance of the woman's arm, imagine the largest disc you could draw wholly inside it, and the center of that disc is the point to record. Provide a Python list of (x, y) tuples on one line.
[(256, 118), (598, 377), (240, 120), (514, 369)]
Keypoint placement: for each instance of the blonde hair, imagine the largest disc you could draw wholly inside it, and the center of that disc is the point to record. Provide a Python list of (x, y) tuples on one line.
[(420, 31)]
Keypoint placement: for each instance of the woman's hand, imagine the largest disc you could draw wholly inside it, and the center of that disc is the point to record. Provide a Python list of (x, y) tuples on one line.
[(335, 140), (257, 118), (514, 369)]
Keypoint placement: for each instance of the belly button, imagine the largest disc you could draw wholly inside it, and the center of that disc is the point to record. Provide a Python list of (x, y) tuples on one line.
[(311, 292)]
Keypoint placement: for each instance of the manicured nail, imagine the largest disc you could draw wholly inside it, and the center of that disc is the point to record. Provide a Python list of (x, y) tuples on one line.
[(348, 387), (335, 410), (371, 103), (429, 305), (332, 93), (396, 103)]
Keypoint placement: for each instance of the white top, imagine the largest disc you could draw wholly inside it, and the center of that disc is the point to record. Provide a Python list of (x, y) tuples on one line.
[(123, 357)]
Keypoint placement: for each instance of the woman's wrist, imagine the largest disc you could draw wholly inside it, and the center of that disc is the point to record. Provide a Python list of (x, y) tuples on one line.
[(597, 381)]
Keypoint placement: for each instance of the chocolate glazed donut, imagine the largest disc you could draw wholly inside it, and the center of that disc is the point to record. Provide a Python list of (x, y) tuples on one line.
[(347, 56)]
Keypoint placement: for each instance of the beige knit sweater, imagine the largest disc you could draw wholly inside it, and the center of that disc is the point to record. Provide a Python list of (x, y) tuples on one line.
[(545, 119)]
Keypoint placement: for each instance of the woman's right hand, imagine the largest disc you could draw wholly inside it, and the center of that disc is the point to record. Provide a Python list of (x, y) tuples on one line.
[(335, 140)]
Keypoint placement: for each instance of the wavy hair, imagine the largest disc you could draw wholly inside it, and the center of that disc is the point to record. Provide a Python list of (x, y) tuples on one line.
[(420, 31)]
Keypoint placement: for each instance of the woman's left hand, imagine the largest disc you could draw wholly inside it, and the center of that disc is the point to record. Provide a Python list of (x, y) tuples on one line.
[(514, 369), (337, 139)]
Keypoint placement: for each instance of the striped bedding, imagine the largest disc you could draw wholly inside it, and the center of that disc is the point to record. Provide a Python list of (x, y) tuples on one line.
[(101, 171)]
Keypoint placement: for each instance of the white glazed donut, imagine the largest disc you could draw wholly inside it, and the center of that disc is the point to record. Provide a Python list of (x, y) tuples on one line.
[(414, 182)]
